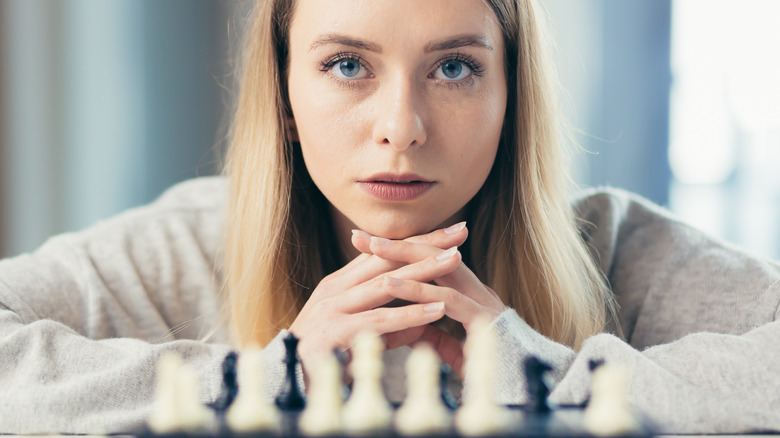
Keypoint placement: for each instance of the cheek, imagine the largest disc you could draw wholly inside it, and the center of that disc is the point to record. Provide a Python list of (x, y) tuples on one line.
[(320, 112), (476, 131), (327, 129)]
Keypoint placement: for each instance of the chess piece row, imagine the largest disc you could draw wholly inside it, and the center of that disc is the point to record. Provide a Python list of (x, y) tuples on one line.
[(366, 410)]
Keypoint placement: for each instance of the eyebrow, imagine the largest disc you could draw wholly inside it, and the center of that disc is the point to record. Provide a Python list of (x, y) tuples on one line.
[(459, 41), (449, 44), (334, 38)]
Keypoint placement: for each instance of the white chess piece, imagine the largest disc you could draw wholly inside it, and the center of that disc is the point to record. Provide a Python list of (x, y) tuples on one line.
[(252, 411), (608, 412), (480, 414), (322, 415), (423, 411), (367, 410), (177, 403)]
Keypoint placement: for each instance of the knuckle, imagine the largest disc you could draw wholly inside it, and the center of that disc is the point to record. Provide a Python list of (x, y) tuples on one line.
[(378, 317), (418, 289), (455, 296), (326, 306)]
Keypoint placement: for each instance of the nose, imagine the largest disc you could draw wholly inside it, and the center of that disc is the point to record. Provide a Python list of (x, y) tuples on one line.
[(399, 121)]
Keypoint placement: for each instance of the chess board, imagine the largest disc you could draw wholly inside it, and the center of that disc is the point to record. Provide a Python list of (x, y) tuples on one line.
[(364, 411), (559, 422)]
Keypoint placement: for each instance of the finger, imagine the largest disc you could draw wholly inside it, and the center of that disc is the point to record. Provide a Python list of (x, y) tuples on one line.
[(363, 268), (393, 319), (459, 306), (361, 241), (449, 348), (444, 238), (365, 296), (373, 292), (401, 250), (435, 266), (464, 280)]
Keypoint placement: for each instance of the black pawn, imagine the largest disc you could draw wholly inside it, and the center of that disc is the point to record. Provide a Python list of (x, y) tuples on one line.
[(537, 387), (444, 386), (229, 383), (290, 397)]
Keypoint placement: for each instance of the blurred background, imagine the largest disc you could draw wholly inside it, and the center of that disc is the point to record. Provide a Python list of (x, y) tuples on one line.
[(105, 103)]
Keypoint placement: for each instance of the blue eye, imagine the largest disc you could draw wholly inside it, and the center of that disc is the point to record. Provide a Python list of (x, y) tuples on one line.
[(349, 68), (452, 70)]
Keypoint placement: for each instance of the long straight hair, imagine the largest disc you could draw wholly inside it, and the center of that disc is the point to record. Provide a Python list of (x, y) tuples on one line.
[(524, 239)]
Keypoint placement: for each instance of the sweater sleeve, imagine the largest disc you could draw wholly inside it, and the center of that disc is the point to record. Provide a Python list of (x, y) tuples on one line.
[(84, 319), (699, 319), (702, 383)]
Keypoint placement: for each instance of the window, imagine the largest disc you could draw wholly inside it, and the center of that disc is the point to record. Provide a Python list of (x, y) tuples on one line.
[(724, 148)]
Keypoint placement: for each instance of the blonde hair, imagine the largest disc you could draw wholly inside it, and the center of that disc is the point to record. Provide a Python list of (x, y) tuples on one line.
[(524, 240)]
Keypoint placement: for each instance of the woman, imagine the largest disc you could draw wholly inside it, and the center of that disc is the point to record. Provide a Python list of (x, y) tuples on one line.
[(400, 120), (412, 147)]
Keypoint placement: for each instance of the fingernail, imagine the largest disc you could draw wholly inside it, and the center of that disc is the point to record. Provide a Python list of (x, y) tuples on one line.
[(360, 234), (433, 307), (446, 255), (380, 241), (452, 229), (392, 282)]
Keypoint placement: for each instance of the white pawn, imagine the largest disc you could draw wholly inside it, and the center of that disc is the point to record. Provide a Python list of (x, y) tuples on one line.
[(322, 415), (608, 412), (252, 410), (367, 410), (177, 403), (480, 414), (423, 411)]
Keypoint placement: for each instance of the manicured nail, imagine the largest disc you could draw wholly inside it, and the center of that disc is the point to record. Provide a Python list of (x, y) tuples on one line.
[(452, 229), (446, 255), (392, 282), (433, 307), (381, 241), (360, 234)]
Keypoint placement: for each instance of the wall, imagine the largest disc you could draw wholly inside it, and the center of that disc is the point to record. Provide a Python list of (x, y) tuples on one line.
[(613, 58), (106, 104)]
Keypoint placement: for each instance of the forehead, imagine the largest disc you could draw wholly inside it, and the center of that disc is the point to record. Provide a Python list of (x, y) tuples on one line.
[(394, 23)]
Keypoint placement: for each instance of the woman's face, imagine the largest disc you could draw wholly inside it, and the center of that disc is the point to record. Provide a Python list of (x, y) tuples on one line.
[(398, 105)]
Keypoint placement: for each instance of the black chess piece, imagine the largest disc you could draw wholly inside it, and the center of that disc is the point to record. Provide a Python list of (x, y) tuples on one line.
[(594, 363), (444, 380), (229, 383), (537, 387), (291, 397)]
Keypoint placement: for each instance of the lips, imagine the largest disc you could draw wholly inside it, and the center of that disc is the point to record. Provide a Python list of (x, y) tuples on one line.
[(396, 187), (395, 178)]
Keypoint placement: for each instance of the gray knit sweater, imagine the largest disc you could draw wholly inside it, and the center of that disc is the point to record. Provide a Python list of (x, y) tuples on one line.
[(84, 319)]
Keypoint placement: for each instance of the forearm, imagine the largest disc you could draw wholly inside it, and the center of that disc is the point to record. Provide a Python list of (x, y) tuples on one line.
[(53, 380), (702, 383)]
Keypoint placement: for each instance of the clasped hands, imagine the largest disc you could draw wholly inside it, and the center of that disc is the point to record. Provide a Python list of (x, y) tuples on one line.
[(427, 271)]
